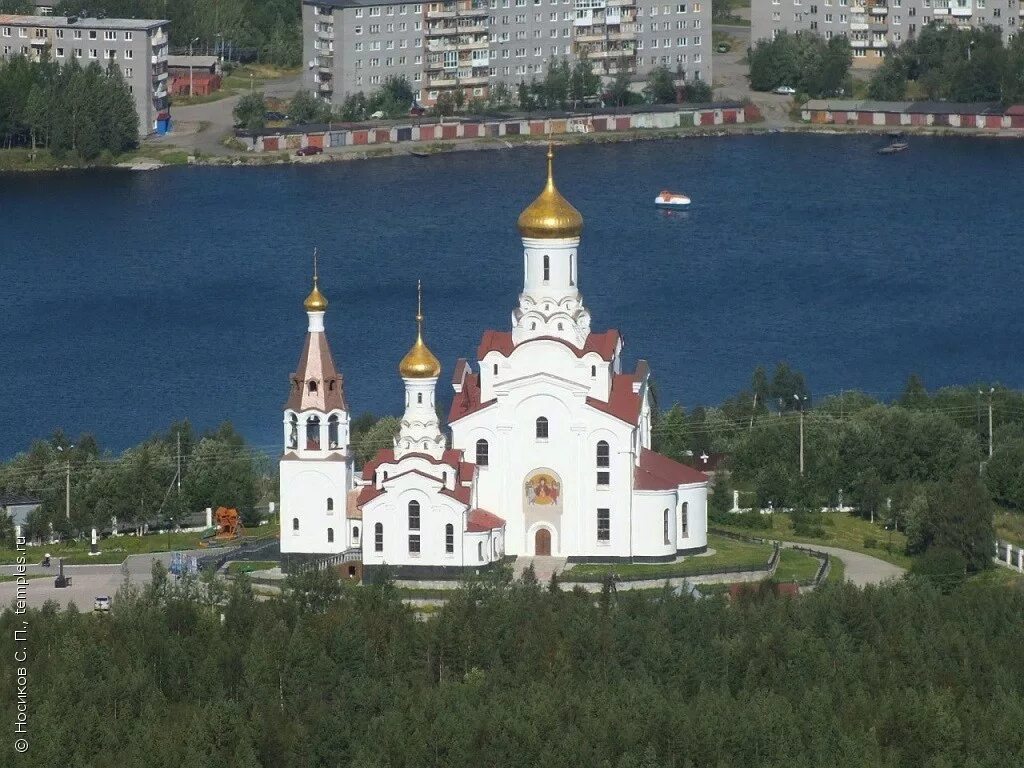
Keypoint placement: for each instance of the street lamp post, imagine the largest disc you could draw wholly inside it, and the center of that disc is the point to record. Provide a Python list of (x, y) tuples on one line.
[(67, 481), (800, 404), (991, 391), (190, 44), (170, 524)]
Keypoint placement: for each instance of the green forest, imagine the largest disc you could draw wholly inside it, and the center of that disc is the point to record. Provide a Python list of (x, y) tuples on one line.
[(517, 675), (69, 109)]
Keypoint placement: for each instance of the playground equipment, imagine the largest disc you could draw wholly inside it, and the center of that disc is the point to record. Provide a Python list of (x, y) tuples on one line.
[(229, 524)]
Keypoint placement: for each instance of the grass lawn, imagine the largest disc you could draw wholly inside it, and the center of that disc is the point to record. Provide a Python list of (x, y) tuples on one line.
[(841, 530), (248, 566), (11, 577), (796, 566), (729, 555), (1010, 526), (997, 575), (836, 571)]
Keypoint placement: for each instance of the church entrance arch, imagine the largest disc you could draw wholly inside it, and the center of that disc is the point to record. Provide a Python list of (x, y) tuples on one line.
[(542, 542)]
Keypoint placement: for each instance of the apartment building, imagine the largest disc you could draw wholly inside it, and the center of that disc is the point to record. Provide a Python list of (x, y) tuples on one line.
[(469, 45), (874, 26), (138, 46)]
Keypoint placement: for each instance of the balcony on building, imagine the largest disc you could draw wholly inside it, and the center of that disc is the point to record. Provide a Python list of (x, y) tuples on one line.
[(326, 34), (879, 10), (858, 26), (160, 38), (879, 42), (961, 13), (325, 62), (325, 86), (858, 42), (457, 9)]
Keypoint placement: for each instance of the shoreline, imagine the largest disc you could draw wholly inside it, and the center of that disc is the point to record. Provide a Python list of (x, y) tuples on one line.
[(405, 149)]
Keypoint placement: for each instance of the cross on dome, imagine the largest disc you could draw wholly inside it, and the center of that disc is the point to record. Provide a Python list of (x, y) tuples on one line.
[(419, 362), (316, 301)]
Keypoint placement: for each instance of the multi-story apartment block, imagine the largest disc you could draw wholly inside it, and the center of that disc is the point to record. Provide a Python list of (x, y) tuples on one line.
[(874, 26), (137, 46), (469, 45)]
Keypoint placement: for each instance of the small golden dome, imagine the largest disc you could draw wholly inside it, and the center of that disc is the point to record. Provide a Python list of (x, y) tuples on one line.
[(550, 216), (316, 301), (419, 362)]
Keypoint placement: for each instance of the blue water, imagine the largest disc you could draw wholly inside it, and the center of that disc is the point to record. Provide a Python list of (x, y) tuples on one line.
[(128, 300)]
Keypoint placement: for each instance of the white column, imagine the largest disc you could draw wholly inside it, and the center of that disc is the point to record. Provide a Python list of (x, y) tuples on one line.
[(1020, 559), (735, 501), (209, 517)]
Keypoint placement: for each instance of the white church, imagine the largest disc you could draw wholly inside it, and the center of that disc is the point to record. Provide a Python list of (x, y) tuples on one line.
[(549, 451)]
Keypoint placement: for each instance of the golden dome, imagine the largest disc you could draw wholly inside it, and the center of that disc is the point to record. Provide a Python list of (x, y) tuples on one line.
[(316, 301), (419, 362), (550, 216)]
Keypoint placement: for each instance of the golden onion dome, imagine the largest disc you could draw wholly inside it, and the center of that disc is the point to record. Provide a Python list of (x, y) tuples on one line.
[(316, 301), (419, 362), (550, 216)]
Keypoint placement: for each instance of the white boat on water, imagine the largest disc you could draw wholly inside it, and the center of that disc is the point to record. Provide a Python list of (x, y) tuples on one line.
[(671, 200)]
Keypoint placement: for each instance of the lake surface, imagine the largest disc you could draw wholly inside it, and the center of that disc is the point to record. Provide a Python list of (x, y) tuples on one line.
[(128, 300)]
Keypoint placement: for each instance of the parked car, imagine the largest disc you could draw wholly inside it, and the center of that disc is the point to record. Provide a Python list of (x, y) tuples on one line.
[(311, 150), (417, 111), (101, 603), (378, 115), (785, 90)]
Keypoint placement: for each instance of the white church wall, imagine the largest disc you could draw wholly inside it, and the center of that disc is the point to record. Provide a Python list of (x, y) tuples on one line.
[(304, 494), (694, 534), (648, 518)]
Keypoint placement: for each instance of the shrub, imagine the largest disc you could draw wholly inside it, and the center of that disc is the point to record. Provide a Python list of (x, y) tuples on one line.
[(870, 542)]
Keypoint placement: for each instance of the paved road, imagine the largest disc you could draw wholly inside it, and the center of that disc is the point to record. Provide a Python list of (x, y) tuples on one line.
[(204, 126), (859, 569), (87, 581)]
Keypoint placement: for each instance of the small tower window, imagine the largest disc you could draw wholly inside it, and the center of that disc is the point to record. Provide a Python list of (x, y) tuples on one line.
[(665, 527), (542, 428), (332, 431), (313, 433), (593, 371), (355, 533), (312, 386), (330, 535), (572, 270), (495, 369), (533, 326), (330, 504), (684, 530), (295, 523), (444, 478), (293, 432), (603, 462), (378, 537), (547, 267), (414, 515), (449, 538), (385, 475), (419, 398), (482, 453), (330, 385), (559, 326)]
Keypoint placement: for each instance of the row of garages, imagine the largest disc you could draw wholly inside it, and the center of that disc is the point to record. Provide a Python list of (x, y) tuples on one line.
[(430, 129), (895, 114)]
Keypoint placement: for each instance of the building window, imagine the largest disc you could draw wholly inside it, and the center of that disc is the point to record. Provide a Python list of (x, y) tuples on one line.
[(685, 530), (378, 537), (295, 523), (355, 533), (332, 431), (495, 369), (449, 538), (419, 398), (593, 371), (604, 525), (313, 433), (414, 543), (542, 428), (547, 267), (665, 528), (330, 535), (129, 54), (330, 504), (414, 515), (603, 462), (480, 551), (482, 450)]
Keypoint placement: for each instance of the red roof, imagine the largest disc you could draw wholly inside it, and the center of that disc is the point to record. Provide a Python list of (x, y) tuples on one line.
[(480, 520), (368, 493), (452, 457), (623, 403), (468, 400), (603, 344), (660, 473)]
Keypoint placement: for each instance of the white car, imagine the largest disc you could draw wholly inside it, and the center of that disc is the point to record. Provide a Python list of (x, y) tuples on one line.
[(785, 90), (101, 603)]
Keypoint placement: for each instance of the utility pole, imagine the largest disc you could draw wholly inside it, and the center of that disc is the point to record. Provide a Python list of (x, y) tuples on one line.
[(800, 404), (178, 476), (190, 89), (67, 480), (991, 391)]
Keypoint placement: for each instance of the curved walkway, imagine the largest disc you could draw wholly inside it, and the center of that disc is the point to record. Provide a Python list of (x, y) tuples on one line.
[(860, 569)]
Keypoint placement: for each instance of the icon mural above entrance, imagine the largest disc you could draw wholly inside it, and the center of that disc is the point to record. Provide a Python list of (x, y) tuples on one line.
[(543, 489)]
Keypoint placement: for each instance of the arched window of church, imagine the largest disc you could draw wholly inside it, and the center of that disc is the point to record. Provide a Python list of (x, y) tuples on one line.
[(378, 537), (533, 326), (603, 462), (559, 326), (330, 535), (449, 538), (330, 504), (542, 428), (665, 527), (572, 270), (444, 478), (593, 371), (414, 515), (684, 530), (313, 433), (330, 385), (385, 475), (312, 386), (295, 523), (495, 369), (293, 432), (547, 267), (482, 453), (332, 431), (480, 551), (355, 533)]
